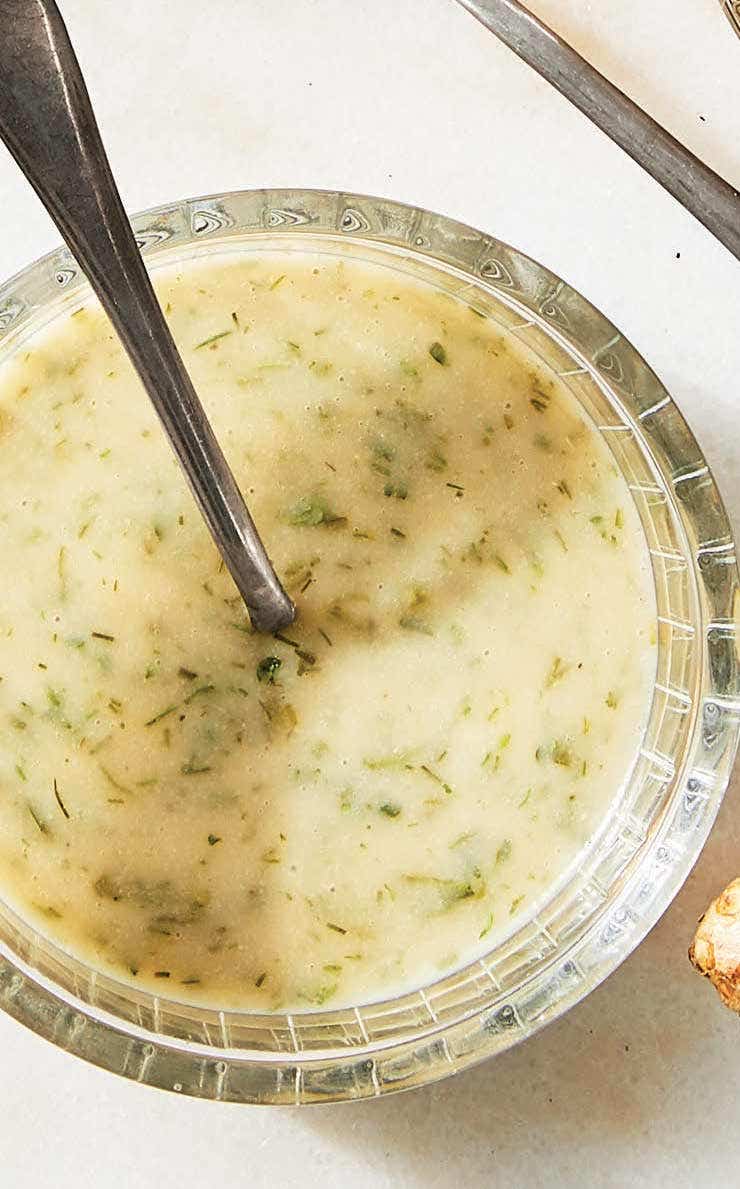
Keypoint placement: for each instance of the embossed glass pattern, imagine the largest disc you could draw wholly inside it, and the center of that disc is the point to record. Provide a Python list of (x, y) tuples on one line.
[(600, 911)]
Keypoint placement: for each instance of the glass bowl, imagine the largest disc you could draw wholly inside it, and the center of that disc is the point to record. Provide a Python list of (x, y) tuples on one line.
[(596, 915)]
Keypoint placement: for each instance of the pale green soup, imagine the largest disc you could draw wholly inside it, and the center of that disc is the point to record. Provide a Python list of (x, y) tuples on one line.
[(359, 805)]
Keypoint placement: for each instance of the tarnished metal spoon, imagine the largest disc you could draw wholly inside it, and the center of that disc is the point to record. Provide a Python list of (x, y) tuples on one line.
[(47, 122), (709, 198)]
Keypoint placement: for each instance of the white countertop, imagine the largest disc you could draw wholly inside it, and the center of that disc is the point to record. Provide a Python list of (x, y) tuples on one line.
[(412, 99)]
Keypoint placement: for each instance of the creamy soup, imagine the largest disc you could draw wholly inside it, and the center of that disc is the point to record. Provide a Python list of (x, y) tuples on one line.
[(357, 805)]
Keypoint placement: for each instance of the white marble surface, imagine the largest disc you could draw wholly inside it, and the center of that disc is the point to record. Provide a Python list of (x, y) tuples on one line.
[(410, 98)]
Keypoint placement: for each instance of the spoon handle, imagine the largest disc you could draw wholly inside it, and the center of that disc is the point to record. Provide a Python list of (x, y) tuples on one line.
[(47, 122), (709, 198)]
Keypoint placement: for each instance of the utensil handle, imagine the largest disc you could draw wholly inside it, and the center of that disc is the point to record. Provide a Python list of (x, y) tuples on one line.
[(47, 122), (712, 200)]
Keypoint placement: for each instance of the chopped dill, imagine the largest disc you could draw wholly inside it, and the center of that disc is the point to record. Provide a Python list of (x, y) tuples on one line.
[(487, 927), (310, 511), (59, 800), (162, 714), (436, 778), (211, 342), (504, 852), (40, 825), (556, 672)]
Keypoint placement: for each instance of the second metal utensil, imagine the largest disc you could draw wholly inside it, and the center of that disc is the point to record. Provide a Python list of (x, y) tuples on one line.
[(47, 122), (712, 200)]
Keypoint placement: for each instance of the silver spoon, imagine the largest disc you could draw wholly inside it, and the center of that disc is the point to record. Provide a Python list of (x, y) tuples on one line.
[(709, 198), (47, 122)]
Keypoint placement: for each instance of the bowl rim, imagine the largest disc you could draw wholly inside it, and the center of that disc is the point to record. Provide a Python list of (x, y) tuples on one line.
[(434, 1048)]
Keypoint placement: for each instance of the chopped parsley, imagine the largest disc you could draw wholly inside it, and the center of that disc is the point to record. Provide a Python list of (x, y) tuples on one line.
[(268, 669)]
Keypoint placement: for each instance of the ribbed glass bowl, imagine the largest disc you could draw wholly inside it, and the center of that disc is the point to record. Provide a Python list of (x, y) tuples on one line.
[(627, 876)]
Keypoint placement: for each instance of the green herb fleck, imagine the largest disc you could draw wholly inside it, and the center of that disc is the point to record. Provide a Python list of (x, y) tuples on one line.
[(321, 368), (193, 768), (308, 658), (121, 788), (556, 672), (62, 572), (436, 778), (412, 623), (59, 801), (41, 826), (321, 995), (382, 455), (504, 852), (390, 809), (540, 400), (435, 460), (399, 490), (210, 342), (438, 353), (462, 839), (162, 714), (398, 759), (487, 927), (199, 692), (562, 753), (453, 891), (312, 511)]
